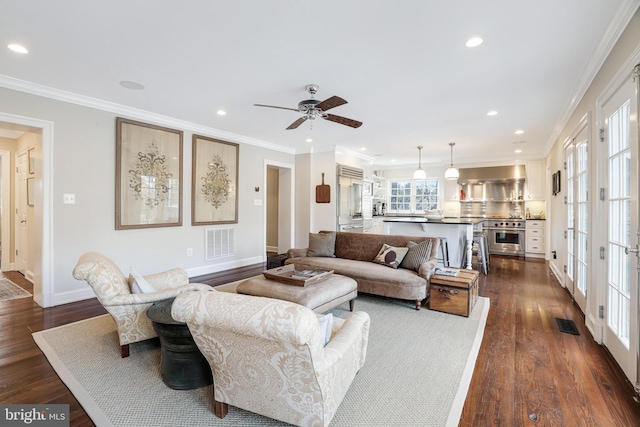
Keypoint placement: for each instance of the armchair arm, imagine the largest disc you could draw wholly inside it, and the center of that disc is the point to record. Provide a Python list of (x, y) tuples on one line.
[(168, 279), (135, 299), (355, 327), (297, 252)]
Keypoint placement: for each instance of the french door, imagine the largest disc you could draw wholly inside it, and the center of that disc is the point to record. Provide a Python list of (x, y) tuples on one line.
[(577, 172), (620, 333)]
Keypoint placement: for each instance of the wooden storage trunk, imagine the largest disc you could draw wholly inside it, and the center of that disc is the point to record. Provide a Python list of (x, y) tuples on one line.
[(454, 294)]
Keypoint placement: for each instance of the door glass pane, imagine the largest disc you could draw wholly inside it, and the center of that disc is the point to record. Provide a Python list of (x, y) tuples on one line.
[(619, 203)]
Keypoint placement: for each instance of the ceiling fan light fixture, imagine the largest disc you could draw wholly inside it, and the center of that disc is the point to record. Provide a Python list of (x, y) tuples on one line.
[(451, 173), (420, 173)]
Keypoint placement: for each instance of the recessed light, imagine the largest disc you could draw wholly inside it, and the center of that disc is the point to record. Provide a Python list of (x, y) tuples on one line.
[(363, 149), (518, 151), (131, 85), (473, 42), (393, 160), (18, 48), (519, 132), (309, 140), (492, 113), (221, 113)]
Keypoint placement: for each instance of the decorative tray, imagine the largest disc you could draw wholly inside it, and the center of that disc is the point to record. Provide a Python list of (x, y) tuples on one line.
[(288, 274)]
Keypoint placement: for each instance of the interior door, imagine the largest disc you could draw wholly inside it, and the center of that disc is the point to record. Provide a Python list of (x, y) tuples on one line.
[(21, 213), (621, 310), (577, 182)]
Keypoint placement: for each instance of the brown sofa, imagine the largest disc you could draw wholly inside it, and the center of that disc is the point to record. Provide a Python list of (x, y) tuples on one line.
[(354, 255)]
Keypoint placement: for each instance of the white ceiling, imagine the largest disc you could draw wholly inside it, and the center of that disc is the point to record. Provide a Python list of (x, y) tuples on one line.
[(402, 66)]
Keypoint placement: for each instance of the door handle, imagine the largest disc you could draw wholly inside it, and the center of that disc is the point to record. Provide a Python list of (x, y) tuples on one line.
[(23, 221), (628, 250)]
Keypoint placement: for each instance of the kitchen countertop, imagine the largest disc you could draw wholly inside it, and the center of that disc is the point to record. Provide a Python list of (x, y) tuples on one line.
[(423, 220)]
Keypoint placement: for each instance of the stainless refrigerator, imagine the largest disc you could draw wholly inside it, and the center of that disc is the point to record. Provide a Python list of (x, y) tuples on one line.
[(349, 198)]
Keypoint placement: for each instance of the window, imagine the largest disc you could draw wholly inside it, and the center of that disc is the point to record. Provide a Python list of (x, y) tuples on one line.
[(414, 196)]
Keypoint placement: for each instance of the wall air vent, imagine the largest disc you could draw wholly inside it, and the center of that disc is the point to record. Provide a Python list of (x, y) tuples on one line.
[(219, 242), (350, 172)]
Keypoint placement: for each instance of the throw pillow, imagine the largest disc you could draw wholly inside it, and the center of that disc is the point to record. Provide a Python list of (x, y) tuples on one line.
[(418, 253), (139, 285), (390, 256), (326, 324), (322, 244)]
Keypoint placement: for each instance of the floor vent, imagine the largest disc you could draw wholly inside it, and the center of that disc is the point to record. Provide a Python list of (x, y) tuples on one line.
[(220, 242), (567, 326)]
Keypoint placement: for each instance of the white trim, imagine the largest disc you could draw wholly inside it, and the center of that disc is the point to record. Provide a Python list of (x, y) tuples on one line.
[(214, 268), (618, 24), (135, 113)]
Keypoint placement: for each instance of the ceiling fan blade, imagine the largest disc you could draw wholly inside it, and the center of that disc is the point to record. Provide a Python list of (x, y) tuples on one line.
[(327, 104), (273, 106), (297, 123), (343, 121)]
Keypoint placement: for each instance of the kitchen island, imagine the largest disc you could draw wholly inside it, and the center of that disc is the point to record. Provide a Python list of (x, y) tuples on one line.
[(457, 231)]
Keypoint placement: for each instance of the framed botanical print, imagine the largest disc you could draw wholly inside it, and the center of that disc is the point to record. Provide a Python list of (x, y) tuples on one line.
[(148, 175), (214, 185)]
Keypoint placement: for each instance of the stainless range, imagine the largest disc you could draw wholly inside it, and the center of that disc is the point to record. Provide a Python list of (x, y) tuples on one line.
[(506, 236)]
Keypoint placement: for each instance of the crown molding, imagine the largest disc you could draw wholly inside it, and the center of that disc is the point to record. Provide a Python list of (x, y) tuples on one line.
[(619, 23), (134, 113)]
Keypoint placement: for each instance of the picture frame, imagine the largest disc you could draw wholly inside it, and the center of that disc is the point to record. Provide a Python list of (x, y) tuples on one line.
[(556, 183), (148, 175), (30, 198), (214, 185), (32, 161)]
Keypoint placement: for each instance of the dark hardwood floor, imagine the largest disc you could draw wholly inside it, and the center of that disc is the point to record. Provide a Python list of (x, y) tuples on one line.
[(527, 373)]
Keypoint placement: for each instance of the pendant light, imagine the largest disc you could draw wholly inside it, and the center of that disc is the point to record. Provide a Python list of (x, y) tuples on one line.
[(419, 173), (451, 173)]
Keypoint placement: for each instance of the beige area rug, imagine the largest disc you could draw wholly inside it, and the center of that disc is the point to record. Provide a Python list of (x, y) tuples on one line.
[(9, 290), (417, 373)]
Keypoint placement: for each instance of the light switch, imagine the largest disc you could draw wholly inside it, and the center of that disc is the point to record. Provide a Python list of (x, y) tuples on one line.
[(69, 199), (257, 202)]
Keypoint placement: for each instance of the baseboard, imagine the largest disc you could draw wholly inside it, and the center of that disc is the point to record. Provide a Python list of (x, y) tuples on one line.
[(214, 268), (72, 296), (272, 249), (556, 271), (29, 276)]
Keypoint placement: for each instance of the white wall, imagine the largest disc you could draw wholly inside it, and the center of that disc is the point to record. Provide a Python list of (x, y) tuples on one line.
[(84, 164), (627, 46)]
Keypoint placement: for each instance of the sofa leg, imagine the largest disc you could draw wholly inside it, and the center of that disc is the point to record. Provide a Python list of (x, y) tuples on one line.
[(418, 304), (351, 304), (220, 409), (124, 350)]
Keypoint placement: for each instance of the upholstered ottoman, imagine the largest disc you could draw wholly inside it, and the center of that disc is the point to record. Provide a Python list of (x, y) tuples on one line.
[(319, 297)]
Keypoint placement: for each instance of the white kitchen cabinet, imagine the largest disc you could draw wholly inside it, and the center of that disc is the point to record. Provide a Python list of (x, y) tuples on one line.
[(451, 190), (534, 235), (535, 180), (378, 226)]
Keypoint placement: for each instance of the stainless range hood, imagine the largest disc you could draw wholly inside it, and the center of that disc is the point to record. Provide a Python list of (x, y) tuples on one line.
[(492, 174)]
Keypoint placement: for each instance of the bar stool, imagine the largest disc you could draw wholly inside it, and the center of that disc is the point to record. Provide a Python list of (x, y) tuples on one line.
[(480, 250), (444, 251)]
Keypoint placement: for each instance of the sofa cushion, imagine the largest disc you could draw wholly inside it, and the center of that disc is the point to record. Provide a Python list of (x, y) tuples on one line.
[(390, 256), (418, 253), (325, 323), (322, 244)]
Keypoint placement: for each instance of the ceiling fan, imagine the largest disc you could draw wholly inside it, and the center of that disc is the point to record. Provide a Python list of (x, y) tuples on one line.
[(313, 108)]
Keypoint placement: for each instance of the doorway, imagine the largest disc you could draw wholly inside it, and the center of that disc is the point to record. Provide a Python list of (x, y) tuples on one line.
[(620, 134), (577, 220), (279, 207), (41, 226)]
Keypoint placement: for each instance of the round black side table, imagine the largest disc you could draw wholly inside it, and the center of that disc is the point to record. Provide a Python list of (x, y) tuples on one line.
[(182, 365)]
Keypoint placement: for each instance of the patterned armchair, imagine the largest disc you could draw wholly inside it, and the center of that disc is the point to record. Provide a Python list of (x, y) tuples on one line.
[(267, 356), (128, 309)]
